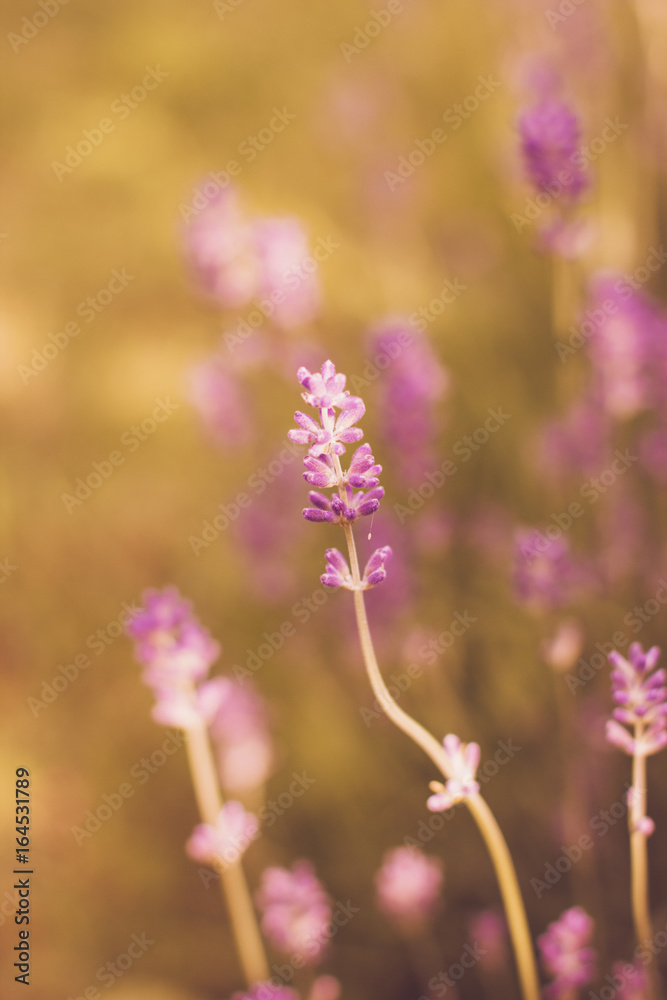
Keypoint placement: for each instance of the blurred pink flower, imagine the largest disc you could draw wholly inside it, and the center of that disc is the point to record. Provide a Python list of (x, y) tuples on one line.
[(622, 342), (296, 910), (489, 930), (176, 652), (411, 382), (408, 886), (563, 649), (544, 572), (238, 258), (227, 841), (217, 393), (566, 955), (240, 736)]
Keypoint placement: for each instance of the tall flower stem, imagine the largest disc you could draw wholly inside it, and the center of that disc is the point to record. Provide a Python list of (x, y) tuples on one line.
[(233, 883), (495, 842), (638, 858)]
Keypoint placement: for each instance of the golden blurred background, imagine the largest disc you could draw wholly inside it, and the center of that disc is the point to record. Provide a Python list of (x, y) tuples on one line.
[(218, 72)]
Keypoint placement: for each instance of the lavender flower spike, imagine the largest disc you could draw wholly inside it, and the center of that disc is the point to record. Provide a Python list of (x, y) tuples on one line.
[(358, 492), (641, 697), (463, 761), (566, 954)]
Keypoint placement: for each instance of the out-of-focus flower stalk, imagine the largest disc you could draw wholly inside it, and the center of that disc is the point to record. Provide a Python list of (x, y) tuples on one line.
[(640, 692), (495, 842), (235, 890), (637, 824)]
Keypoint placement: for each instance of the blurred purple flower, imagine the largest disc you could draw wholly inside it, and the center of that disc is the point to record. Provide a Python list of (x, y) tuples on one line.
[(238, 258), (240, 735), (544, 572), (622, 347), (575, 444), (641, 697), (566, 955), (412, 382), (218, 395), (286, 277), (408, 887), (220, 246), (176, 651), (296, 910), (226, 842), (550, 135), (489, 930)]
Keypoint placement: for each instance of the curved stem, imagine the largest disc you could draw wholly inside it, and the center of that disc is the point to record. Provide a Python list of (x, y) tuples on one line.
[(639, 860), (233, 883), (495, 842)]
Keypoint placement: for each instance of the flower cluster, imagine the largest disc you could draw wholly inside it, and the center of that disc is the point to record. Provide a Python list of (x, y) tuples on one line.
[(566, 954), (296, 910), (241, 737), (544, 572), (176, 652), (358, 492), (549, 141), (463, 760), (224, 843), (408, 886), (414, 382), (238, 258), (641, 697)]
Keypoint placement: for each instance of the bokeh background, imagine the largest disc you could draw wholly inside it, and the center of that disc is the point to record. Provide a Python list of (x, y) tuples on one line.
[(69, 568)]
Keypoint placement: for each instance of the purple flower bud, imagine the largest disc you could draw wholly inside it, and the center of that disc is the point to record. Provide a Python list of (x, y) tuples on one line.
[(337, 571), (565, 954), (375, 571), (641, 693), (550, 136)]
